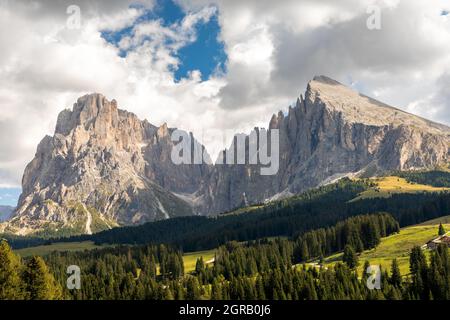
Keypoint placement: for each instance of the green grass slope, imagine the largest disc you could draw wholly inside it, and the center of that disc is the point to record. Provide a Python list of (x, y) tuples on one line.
[(60, 247), (385, 187), (189, 259), (397, 246)]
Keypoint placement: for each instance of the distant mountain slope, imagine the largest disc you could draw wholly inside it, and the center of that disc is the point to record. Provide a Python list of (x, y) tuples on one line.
[(104, 167), (5, 212)]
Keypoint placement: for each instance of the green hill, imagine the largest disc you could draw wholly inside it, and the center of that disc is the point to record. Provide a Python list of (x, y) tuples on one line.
[(59, 246), (409, 203), (398, 246), (384, 187)]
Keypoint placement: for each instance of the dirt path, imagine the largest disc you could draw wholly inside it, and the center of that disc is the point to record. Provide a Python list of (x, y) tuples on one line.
[(88, 221)]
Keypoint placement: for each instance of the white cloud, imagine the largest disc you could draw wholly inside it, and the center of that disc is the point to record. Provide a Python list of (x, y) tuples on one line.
[(400, 64), (273, 49), (45, 67)]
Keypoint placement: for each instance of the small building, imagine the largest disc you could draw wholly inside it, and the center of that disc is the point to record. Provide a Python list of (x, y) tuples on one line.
[(445, 239)]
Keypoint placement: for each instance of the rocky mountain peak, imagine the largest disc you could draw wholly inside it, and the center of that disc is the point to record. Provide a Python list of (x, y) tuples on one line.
[(326, 80), (105, 167), (102, 168), (84, 111), (358, 108), (331, 133)]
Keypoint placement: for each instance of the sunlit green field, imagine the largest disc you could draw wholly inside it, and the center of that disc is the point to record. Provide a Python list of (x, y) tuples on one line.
[(397, 246), (190, 259), (62, 246), (386, 186)]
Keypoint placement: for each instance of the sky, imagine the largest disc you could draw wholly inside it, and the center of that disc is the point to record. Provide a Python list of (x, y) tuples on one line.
[(209, 66)]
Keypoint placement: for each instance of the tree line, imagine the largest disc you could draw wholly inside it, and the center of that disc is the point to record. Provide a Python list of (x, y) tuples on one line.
[(360, 232), (435, 178), (254, 270), (319, 208)]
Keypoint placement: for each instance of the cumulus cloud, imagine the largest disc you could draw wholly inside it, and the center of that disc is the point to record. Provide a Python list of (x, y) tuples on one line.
[(273, 49), (45, 66)]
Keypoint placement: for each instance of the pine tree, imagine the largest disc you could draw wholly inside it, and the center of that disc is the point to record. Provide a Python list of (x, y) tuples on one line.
[(11, 286), (199, 266), (216, 290), (350, 258), (179, 290), (168, 295), (417, 260), (304, 253), (396, 277), (193, 289), (261, 295), (39, 282), (441, 230), (419, 271)]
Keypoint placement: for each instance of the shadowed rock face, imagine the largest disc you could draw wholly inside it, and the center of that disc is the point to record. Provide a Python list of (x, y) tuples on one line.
[(333, 132), (105, 167)]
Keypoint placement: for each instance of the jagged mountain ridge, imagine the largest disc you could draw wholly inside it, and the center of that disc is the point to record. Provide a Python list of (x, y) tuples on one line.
[(118, 169), (102, 168), (331, 133)]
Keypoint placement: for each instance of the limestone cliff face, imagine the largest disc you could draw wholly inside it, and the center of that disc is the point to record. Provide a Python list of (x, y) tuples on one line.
[(332, 132), (104, 167)]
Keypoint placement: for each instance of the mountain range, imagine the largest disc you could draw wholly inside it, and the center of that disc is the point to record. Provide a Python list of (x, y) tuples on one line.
[(104, 167)]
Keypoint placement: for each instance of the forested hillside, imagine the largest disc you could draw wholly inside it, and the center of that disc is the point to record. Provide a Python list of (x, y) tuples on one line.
[(319, 208), (435, 178), (21, 280), (263, 269)]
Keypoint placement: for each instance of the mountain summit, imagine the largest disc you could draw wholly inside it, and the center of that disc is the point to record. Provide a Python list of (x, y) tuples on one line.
[(330, 133), (104, 167)]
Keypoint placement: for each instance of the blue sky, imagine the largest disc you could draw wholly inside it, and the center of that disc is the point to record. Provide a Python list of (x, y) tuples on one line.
[(9, 197), (273, 48), (206, 54)]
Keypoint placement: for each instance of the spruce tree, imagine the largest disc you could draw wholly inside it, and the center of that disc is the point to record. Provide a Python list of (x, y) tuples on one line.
[(261, 295), (11, 286), (396, 277), (192, 289), (350, 258), (441, 230), (199, 266), (39, 282), (216, 290)]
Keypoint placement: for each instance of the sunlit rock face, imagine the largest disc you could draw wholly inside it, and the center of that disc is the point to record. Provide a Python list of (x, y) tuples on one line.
[(330, 133), (104, 167)]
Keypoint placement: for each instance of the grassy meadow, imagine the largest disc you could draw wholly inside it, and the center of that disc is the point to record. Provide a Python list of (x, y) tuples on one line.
[(386, 186), (397, 246), (61, 247)]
